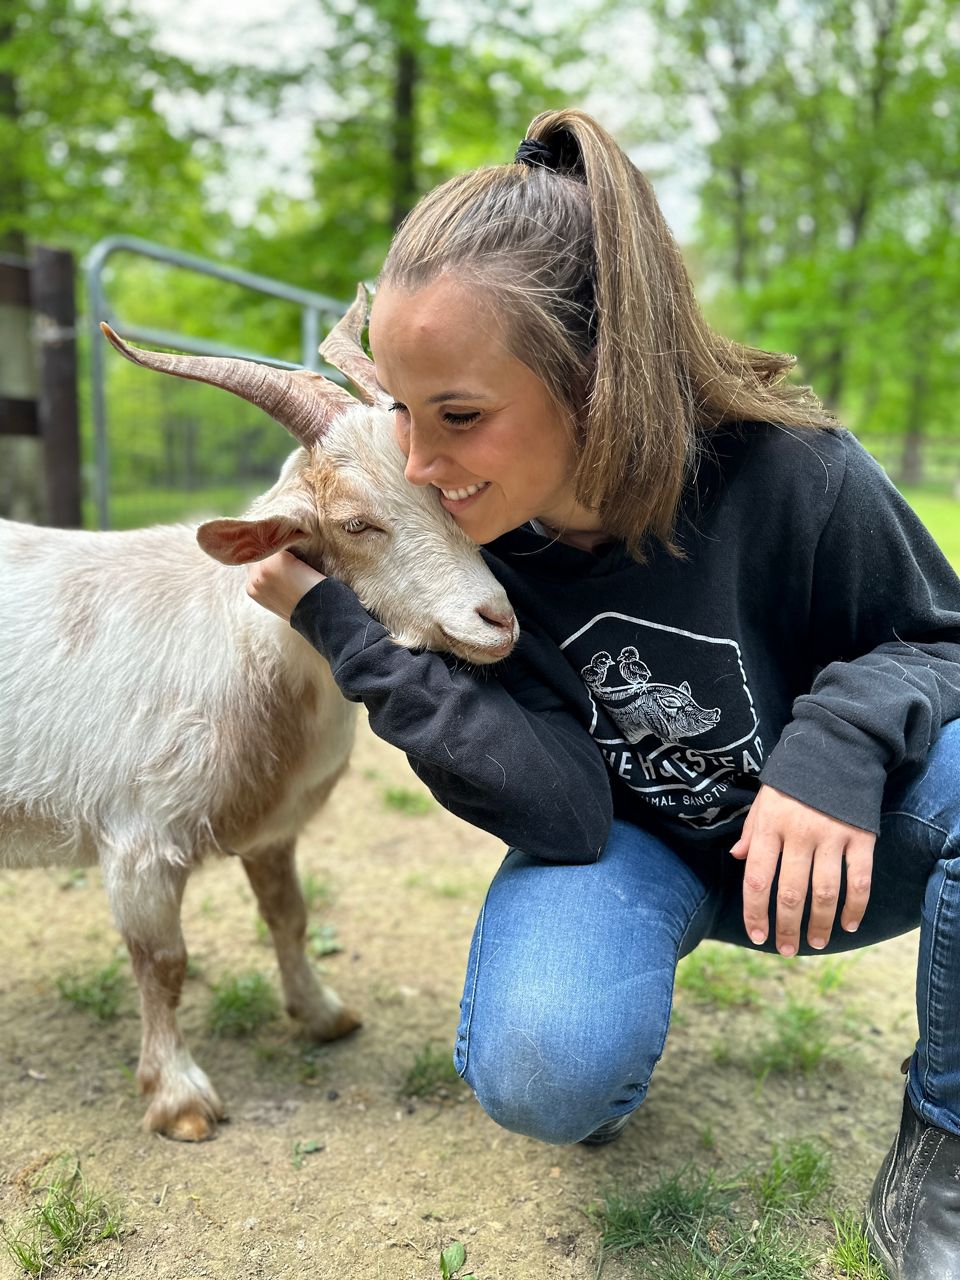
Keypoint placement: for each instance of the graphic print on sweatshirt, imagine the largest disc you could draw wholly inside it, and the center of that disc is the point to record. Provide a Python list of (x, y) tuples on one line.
[(673, 715)]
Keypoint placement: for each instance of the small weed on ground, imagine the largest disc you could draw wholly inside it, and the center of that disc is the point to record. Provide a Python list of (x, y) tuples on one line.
[(302, 1149), (242, 1005), (694, 1226), (65, 1224), (432, 1077), (851, 1253), (452, 1258), (100, 994), (403, 800), (322, 940)]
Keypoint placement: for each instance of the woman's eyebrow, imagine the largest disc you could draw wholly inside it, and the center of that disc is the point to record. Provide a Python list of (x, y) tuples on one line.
[(456, 395)]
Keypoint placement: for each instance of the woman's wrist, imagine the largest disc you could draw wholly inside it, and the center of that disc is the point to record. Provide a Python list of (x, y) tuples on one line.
[(280, 582)]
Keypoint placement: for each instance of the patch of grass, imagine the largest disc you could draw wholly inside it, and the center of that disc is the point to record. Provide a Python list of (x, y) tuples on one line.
[(432, 1075), (693, 1226), (100, 993), (261, 931), (830, 974), (66, 1223), (793, 1179), (681, 1205), (800, 1041), (851, 1254), (317, 893), (721, 975), (406, 801), (240, 1006)]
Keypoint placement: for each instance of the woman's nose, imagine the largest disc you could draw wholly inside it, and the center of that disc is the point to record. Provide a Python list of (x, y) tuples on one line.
[(420, 456)]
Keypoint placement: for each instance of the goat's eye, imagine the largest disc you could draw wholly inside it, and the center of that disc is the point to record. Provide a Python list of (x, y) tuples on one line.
[(356, 525)]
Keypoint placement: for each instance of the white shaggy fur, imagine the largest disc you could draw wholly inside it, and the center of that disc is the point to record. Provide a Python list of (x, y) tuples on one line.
[(151, 713)]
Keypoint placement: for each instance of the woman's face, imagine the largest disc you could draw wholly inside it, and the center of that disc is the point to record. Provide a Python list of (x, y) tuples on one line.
[(473, 420)]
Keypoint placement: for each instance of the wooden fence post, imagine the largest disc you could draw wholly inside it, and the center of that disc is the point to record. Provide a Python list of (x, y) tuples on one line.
[(18, 379), (52, 298)]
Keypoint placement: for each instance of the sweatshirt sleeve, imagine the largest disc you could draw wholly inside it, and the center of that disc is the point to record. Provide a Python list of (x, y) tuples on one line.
[(494, 745), (885, 639)]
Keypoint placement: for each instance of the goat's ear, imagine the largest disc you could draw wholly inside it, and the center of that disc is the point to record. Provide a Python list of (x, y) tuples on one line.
[(244, 541)]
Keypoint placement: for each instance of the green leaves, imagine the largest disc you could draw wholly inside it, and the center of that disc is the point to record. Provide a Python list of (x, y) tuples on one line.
[(827, 136), (452, 1259)]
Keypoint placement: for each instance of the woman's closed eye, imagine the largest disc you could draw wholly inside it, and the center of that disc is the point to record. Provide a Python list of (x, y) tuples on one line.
[(450, 418)]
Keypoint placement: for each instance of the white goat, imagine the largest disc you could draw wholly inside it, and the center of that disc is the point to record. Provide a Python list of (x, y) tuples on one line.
[(151, 713)]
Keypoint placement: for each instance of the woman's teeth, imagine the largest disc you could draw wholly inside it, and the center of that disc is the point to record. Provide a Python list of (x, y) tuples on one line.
[(457, 495)]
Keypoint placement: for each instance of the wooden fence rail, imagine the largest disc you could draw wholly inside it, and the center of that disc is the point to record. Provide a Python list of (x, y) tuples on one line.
[(38, 371)]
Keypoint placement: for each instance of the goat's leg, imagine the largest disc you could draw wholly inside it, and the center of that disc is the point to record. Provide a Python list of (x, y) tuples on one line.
[(145, 896), (273, 876)]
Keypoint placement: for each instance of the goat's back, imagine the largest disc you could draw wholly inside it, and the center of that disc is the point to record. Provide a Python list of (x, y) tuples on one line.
[(145, 701)]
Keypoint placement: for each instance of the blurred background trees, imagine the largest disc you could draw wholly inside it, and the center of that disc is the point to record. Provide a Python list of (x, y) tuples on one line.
[(811, 147)]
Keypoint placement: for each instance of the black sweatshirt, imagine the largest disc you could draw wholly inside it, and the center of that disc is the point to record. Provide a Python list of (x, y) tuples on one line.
[(809, 638)]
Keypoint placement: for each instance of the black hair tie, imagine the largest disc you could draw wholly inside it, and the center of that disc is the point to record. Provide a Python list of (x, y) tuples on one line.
[(536, 154)]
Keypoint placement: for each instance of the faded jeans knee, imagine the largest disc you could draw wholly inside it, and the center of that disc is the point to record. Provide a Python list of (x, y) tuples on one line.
[(570, 981), (558, 1081)]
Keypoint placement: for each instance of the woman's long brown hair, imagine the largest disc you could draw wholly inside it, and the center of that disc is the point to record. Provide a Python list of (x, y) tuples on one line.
[(579, 264)]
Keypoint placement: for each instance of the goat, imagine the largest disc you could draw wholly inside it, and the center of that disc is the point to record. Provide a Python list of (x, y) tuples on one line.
[(151, 713)]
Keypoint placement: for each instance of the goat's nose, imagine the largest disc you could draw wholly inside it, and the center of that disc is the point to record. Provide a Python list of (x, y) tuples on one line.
[(502, 619)]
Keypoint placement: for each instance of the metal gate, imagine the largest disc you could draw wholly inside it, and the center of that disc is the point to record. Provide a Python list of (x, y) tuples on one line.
[(166, 449)]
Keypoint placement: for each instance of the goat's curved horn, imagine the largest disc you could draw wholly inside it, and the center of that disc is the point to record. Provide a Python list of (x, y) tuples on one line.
[(341, 348), (303, 402)]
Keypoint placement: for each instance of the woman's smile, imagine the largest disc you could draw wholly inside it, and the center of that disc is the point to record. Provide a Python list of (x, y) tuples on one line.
[(473, 420)]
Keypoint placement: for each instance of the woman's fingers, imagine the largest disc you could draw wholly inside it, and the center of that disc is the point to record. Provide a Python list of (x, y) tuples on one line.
[(809, 848), (762, 859), (859, 859), (792, 889), (824, 894)]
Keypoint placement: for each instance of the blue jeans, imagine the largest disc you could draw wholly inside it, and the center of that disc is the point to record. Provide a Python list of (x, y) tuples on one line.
[(571, 970)]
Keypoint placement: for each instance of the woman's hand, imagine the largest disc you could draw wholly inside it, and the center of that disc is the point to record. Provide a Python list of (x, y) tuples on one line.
[(802, 840), (280, 582)]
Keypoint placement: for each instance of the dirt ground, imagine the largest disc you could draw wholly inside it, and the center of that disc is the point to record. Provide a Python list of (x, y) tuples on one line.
[(395, 1180)]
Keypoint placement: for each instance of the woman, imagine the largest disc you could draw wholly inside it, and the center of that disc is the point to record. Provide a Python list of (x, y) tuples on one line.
[(729, 712)]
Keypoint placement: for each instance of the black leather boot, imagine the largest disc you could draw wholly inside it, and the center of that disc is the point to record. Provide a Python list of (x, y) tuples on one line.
[(913, 1211)]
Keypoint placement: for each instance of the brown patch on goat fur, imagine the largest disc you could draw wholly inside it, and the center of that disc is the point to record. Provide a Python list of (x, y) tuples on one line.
[(275, 745)]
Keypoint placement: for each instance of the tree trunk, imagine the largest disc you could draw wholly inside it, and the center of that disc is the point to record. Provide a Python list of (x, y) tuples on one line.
[(21, 476), (911, 460), (404, 193)]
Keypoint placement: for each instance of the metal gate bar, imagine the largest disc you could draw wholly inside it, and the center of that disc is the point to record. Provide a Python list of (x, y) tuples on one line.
[(312, 306)]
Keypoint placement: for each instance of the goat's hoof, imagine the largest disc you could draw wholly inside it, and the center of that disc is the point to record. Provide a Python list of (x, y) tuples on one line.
[(190, 1126), (345, 1022), (186, 1120)]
